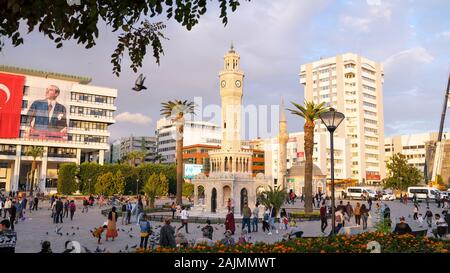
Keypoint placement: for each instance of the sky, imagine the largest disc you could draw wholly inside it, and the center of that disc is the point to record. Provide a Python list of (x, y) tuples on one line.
[(411, 38)]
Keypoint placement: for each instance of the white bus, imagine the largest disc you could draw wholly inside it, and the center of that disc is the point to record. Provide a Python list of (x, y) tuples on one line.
[(423, 192)]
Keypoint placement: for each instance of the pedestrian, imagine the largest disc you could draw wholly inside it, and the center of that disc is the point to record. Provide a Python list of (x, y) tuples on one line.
[(167, 235), (12, 214), (229, 204), (416, 212), (246, 215), (427, 200), (57, 217), (19, 209), (414, 198), (255, 214), (66, 209), (283, 219), (349, 211), (146, 230), (35, 203), (173, 208), (265, 222), (8, 237), (369, 202), (184, 219), (229, 222), (438, 201), (357, 213), (364, 215), (8, 205), (140, 208), (273, 214), (129, 209), (338, 217), (31, 202), (441, 227), (420, 220), (429, 216), (302, 197), (402, 227), (97, 233), (208, 230), (323, 217), (85, 205), (111, 226), (52, 200), (2, 204), (446, 217), (72, 209), (124, 212)]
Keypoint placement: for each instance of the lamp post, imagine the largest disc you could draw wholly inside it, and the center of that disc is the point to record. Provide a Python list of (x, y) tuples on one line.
[(332, 119), (137, 187), (89, 185)]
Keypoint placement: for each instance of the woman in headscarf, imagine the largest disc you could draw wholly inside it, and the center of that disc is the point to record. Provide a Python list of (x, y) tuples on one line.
[(229, 222), (112, 229)]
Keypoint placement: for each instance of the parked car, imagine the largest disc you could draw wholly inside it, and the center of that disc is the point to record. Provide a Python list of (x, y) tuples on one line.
[(388, 196)]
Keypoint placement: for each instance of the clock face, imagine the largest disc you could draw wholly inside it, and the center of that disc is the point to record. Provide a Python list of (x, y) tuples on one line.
[(223, 83), (238, 83)]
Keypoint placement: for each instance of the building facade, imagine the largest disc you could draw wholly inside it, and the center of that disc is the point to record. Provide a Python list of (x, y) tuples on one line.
[(295, 153), (352, 85), (61, 113), (146, 144), (195, 132)]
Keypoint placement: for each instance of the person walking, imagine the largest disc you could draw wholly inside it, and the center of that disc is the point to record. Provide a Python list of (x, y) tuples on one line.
[(35, 203), (8, 205), (255, 214), (184, 219), (72, 209), (416, 212), (140, 208), (66, 209), (85, 205), (414, 198), (173, 208), (129, 210), (265, 223), (57, 216), (369, 202), (349, 211), (111, 226), (12, 214), (272, 215), (364, 215), (357, 213), (323, 217), (427, 200), (441, 227), (124, 212), (339, 218), (246, 215), (229, 222), (429, 216), (146, 231), (167, 235), (283, 219), (2, 204)]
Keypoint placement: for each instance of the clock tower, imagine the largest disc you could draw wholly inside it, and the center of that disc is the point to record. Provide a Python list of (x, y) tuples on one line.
[(231, 80)]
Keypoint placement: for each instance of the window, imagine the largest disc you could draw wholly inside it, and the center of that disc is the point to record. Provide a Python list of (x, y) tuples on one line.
[(368, 79), (370, 121), (349, 66), (370, 130), (24, 104), (367, 71), (369, 104), (369, 96), (368, 87)]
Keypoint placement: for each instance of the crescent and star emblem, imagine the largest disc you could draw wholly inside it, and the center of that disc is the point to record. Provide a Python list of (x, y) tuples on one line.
[(5, 89)]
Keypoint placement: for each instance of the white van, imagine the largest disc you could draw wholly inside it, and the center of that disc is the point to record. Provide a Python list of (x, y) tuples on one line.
[(359, 193), (423, 192)]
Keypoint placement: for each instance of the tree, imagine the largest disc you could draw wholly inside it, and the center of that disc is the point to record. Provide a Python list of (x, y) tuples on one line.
[(104, 184), (400, 174), (176, 110), (88, 174), (156, 185), (310, 112), (134, 155), (35, 152), (274, 198), (119, 183), (67, 178), (159, 158), (188, 190), (68, 20)]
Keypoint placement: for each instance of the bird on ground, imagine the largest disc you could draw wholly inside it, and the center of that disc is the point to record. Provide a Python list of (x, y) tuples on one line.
[(67, 234), (78, 228), (98, 250), (134, 246), (198, 226), (216, 228), (131, 236), (87, 250), (46, 233), (72, 227), (126, 247), (73, 234), (139, 84), (58, 229), (131, 228)]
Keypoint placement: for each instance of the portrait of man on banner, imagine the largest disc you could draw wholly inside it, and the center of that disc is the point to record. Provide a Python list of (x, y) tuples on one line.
[(47, 118)]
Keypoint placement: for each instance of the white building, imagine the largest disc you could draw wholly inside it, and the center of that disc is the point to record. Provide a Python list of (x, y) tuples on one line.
[(146, 144), (195, 132), (352, 85), (61, 113), (321, 155), (412, 146)]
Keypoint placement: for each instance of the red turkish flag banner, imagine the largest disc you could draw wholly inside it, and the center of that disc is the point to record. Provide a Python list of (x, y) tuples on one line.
[(11, 93)]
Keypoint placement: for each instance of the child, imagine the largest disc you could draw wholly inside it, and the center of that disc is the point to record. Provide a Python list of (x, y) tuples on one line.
[(285, 222), (420, 219), (243, 238), (97, 233)]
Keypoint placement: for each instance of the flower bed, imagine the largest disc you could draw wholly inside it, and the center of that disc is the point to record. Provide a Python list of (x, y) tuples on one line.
[(390, 243)]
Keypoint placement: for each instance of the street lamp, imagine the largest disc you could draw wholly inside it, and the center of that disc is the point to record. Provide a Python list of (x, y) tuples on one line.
[(89, 185), (332, 119), (137, 187)]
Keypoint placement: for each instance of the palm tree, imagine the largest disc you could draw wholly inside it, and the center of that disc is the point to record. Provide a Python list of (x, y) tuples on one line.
[(310, 112), (35, 152), (175, 110), (159, 158), (134, 155), (273, 198)]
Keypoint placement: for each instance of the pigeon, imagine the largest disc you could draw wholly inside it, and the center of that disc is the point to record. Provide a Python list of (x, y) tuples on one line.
[(58, 229), (139, 84), (131, 228), (72, 227), (198, 226), (73, 234), (126, 247), (131, 236), (87, 250), (98, 250), (67, 234), (78, 228), (46, 233), (216, 228), (134, 246)]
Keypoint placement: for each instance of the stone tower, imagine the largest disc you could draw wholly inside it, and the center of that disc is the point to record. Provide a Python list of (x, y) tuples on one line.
[(283, 138)]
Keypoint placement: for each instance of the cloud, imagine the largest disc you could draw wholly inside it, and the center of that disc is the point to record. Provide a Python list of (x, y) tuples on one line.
[(359, 24), (445, 34), (413, 55), (133, 118)]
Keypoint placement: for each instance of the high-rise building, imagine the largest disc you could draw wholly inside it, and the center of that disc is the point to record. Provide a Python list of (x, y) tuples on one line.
[(146, 144), (195, 132), (60, 113), (352, 85)]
